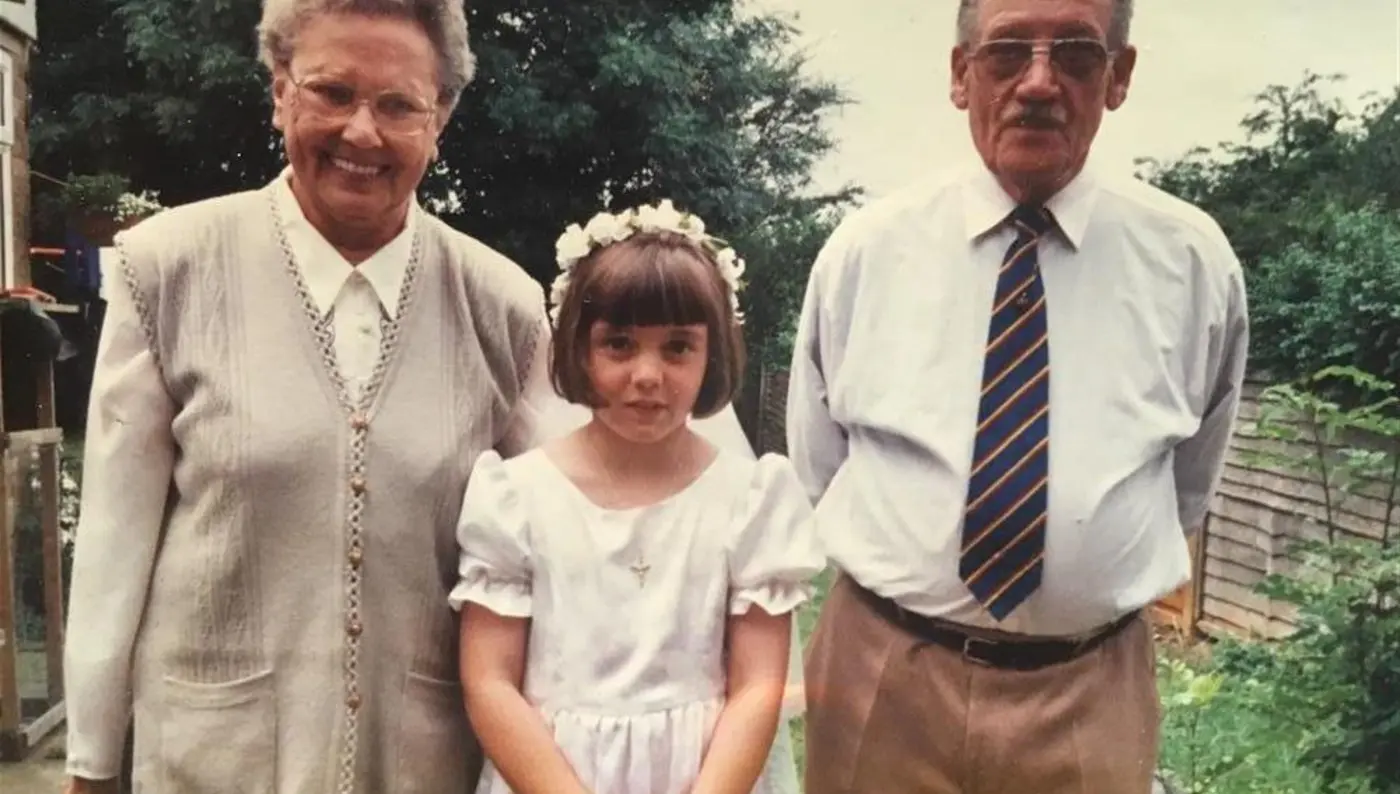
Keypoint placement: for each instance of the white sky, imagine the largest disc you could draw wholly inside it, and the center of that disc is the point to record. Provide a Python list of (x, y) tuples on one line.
[(1200, 64)]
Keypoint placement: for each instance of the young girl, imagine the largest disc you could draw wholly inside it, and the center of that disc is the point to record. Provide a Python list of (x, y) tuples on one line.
[(627, 590)]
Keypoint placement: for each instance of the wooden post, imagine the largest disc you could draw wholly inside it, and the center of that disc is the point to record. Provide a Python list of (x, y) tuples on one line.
[(9, 637), (52, 542), (1195, 596)]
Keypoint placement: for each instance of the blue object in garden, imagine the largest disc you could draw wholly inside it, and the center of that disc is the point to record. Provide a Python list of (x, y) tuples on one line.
[(82, 265)]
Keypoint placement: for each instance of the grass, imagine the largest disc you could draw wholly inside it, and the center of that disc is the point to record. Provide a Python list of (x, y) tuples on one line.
[(806, 621)]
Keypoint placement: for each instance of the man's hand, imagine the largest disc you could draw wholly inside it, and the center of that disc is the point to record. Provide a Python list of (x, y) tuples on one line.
[(81, 785)]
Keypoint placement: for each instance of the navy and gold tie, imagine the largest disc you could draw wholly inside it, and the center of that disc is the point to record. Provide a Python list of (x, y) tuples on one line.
[(1003, 538)]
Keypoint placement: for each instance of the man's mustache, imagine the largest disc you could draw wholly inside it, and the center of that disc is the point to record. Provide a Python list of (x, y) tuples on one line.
[(1038, 116)]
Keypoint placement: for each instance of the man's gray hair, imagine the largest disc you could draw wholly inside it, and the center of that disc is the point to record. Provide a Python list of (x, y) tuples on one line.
[(444, 22), (1117, 30)]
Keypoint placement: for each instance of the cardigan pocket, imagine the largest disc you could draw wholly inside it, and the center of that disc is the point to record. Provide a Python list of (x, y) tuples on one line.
[(219, 738), (436, 751)]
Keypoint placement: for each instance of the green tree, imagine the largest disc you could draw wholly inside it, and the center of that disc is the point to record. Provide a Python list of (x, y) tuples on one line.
[(1309, 202), (1333, 300), (578, 106)]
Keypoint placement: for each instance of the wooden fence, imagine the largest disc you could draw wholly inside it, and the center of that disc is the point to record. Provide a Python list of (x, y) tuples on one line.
[(1258, 511)]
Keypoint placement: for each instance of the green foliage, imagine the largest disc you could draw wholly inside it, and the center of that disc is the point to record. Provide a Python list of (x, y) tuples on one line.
[(1308, 200), (1317, 711), (93, 192), (1220, 734), (1342, 665), (780, 254), (1333, 299), (578, 106), (1344, 449), (1324, 700)]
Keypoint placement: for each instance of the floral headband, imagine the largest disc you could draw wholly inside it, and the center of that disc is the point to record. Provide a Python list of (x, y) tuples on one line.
[(605, 229)]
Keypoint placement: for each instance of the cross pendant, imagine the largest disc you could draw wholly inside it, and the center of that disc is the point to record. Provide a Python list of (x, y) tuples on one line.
[(640, 568)]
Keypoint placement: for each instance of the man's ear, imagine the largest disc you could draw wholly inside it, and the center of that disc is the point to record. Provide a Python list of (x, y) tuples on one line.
[(1121, 78), (958, 68)]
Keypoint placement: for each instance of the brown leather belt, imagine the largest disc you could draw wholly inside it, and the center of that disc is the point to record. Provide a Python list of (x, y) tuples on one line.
[(1028, 654)]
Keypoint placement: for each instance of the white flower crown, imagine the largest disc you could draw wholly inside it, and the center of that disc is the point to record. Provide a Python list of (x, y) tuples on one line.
[(605, 229)]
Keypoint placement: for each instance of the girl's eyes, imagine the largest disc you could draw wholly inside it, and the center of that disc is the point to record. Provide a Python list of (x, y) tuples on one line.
[(623, 343)]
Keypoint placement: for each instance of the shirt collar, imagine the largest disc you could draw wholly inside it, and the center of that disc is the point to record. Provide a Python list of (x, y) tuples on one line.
[(325, 270), (986, 205)]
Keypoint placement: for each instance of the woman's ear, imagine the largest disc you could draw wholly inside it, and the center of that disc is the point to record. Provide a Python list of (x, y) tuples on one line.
[(282, 88)]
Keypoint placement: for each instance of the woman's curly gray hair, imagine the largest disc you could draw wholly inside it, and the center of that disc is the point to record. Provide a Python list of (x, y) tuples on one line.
[(444, 22)]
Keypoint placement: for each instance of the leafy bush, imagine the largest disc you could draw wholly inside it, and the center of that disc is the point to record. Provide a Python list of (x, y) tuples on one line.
[(1334, 301), (1308, 200), (1320, 710), (1339, 673), (1220, 734), (1316, 713)]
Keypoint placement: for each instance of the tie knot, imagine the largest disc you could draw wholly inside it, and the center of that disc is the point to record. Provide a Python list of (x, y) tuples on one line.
[(1032, 220)]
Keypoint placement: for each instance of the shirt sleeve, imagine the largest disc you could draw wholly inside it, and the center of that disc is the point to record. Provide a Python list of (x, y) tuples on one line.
[(128, 461), (816, 442), (773, 553), (494, 568), (1200, 459)]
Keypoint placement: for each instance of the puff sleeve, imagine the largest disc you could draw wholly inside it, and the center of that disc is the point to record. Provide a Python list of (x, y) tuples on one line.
[(494, 562), (773, 551)]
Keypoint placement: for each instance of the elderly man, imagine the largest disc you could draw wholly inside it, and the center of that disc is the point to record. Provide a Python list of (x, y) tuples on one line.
[(1012, 393)]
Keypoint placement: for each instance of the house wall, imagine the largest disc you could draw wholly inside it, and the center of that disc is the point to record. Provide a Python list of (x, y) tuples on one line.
[(17, 46), (20, 16)]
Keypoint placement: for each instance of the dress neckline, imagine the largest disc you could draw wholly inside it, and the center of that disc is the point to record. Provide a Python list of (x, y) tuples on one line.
[(700, 476)]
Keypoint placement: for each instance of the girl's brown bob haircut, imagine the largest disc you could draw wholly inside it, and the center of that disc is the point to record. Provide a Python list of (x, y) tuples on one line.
[(649, 279)]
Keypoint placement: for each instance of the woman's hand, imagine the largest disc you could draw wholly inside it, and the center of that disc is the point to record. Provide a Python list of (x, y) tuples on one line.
[(81, 785)]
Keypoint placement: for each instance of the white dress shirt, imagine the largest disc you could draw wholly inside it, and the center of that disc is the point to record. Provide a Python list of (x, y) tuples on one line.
[(355, 299), (1148, 332)]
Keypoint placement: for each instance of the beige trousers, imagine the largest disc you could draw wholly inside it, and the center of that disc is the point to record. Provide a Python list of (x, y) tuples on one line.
[(889, 713)]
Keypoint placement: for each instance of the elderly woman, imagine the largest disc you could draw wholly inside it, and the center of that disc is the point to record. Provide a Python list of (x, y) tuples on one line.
[(291, 385)]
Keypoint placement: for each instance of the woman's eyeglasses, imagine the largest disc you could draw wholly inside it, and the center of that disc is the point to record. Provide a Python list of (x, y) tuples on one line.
[(395, 112), (1078, 59)]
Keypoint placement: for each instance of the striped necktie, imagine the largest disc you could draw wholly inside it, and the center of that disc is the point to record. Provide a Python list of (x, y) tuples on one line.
[(1003, 538)]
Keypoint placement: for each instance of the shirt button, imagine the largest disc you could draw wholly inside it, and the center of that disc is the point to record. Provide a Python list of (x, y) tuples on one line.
[(359, 422), (367, 329), (353, 701), (356, 556), (358, 484), (353, 628)]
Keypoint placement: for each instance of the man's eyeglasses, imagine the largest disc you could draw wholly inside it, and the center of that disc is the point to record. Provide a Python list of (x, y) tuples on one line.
[(1078, 59), (395, 112)]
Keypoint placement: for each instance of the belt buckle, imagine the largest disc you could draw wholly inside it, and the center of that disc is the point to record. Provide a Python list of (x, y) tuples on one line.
[(971, 642)]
